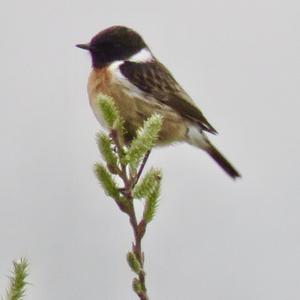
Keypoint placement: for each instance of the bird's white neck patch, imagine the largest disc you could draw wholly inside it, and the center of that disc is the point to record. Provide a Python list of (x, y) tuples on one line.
[(143, 56)]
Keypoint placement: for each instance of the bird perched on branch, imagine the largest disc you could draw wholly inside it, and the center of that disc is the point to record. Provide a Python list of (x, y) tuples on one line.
[(124, 68)]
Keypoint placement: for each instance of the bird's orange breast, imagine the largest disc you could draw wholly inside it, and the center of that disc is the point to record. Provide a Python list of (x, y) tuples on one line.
[(98, 81)]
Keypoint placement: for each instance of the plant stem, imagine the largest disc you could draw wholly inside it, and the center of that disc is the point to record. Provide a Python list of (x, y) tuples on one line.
[(139, 229)]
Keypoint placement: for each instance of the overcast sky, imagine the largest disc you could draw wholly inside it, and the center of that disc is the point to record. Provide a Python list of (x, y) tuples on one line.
[(212, 238)]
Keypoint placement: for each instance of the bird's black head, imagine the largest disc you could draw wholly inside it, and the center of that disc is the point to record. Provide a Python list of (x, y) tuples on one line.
[(112, 44)]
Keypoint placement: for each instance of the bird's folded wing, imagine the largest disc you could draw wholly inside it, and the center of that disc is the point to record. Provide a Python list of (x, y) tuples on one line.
[(154, 79)]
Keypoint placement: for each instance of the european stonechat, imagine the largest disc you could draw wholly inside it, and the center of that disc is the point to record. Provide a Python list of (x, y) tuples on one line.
[(124, 68)]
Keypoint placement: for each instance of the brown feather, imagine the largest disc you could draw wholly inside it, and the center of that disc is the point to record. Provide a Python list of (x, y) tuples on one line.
[(154, 79)]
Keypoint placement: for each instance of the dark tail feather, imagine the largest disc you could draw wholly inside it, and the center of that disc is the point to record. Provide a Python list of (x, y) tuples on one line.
[(223, 162)]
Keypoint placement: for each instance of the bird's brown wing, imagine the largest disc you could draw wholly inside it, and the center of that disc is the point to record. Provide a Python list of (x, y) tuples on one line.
[(154, 79)]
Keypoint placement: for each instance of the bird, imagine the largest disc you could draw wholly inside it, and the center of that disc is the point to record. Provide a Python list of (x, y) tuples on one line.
[(124, 68)]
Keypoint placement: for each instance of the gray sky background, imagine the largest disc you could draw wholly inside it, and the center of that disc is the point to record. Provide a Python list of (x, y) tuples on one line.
[(212, 238)]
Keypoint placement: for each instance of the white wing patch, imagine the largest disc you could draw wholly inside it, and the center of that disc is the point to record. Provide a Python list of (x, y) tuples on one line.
[(143, 56), (119, 79)]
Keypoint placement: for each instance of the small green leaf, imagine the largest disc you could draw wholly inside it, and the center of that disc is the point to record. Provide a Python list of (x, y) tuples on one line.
[(133, 262), (148, 183), (145, 139), (106, 180), (105, 147), (151, 203), (137, 286), (119, 127), (17, 285), (149, 189), (108, 109)]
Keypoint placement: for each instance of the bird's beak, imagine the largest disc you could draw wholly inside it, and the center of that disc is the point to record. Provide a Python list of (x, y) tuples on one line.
[(84, 46)]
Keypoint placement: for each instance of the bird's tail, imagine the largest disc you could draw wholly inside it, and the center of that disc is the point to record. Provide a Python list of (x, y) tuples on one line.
[(222, 161), (197, 138)]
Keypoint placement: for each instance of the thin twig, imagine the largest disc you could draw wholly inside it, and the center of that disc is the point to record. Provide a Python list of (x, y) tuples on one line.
[(137, 177)]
